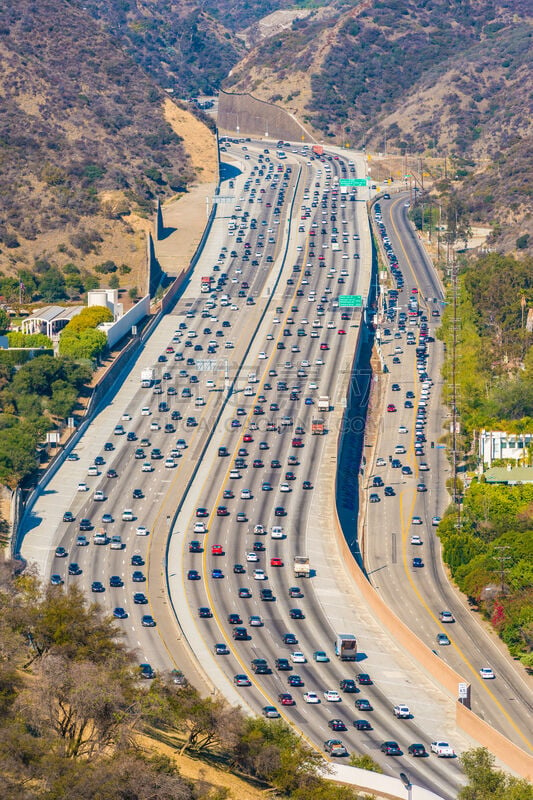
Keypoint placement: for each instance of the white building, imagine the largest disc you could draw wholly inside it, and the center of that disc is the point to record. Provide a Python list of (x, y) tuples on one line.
[(495, 445)]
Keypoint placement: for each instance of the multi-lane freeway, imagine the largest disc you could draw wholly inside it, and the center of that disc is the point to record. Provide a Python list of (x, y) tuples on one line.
[(412, 435), (219, 451)]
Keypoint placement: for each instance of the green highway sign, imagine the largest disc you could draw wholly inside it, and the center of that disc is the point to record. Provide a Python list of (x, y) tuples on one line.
[(350, 300), (353, 182)]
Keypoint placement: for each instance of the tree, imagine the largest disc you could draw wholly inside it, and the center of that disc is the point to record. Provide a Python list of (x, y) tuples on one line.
[(365, 762), (485, 781), (89, 317), (5, 320), (89, 343)]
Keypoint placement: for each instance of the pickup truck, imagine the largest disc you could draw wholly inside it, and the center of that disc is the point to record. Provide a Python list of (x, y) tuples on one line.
[(401, 711), (442, 750), (335, 748)]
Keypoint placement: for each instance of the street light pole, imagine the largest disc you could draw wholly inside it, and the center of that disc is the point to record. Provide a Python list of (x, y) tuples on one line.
[(408, 785)]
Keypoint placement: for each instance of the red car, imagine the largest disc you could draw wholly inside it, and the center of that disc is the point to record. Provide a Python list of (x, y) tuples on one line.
[(247, 437), (341, 332), (222, 511), (217, 550), (202, 512), (276, 562), (391, 407), (285, 699), (297, 443), (324, 346)]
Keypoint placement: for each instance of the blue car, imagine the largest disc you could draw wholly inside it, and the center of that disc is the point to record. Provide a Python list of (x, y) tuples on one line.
[(308, 401), (119, 613), (217, 573)]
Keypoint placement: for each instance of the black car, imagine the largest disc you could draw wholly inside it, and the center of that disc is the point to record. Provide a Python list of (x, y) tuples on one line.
[(240, 634), (289, 638), (389, 491), (140, 599), (97, 586), (146, 671), (417, 750), (391, 749), (74, 569), (364, 679), (362, 725), (363, 705), (337, 725), (137, 560), (108, 446), (348, 685), (193, 575), (295, 591), (295, 680), (238, 569), (85, 525), (61, 552), (221, 649), (115, 581), (68, 516), (267, 595), (296, 613), (283, 664), (138, 576)]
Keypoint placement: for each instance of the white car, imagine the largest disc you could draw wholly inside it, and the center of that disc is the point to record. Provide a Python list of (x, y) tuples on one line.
[(98, 496), (147, 467), (210, 384), (262, 355), (82, 487), (145, 412), (442, 750), (415, 539), (259, 528), (402, 429), (252, 557), (446, 616), (284, 487), (276, 532), (298, 657), (270, 337), (313, 385), (200, 527), (487, 673), (259, 575), (170, 463), (381, 462), (332, 696), (255, 621), (435, 521), (142, 531), (417, 521), (127, 417), (246, 494), (155, 426), (311, 697), (93, 470), (423, 467)]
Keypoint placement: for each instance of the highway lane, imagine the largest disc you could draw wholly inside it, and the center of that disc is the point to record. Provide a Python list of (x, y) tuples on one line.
[(224, 600), (507, 702), (316, 630)]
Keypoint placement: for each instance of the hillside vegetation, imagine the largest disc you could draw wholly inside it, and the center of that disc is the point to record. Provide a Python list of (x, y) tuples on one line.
[(83, 141), (438, 77)]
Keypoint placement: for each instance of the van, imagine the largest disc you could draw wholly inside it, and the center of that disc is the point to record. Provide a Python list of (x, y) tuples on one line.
[(100, 537)]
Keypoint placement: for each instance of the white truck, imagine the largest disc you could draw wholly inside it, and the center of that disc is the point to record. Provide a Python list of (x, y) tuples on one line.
[(147, 377), (323, 403), (346, 647), (442, 750), (401, 711), (301, 567)]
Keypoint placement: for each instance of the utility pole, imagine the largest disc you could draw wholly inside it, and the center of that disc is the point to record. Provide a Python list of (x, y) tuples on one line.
[(502, 557), (456, 494)]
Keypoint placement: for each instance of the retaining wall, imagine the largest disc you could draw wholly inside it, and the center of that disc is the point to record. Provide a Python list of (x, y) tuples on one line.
[(242, 114)]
